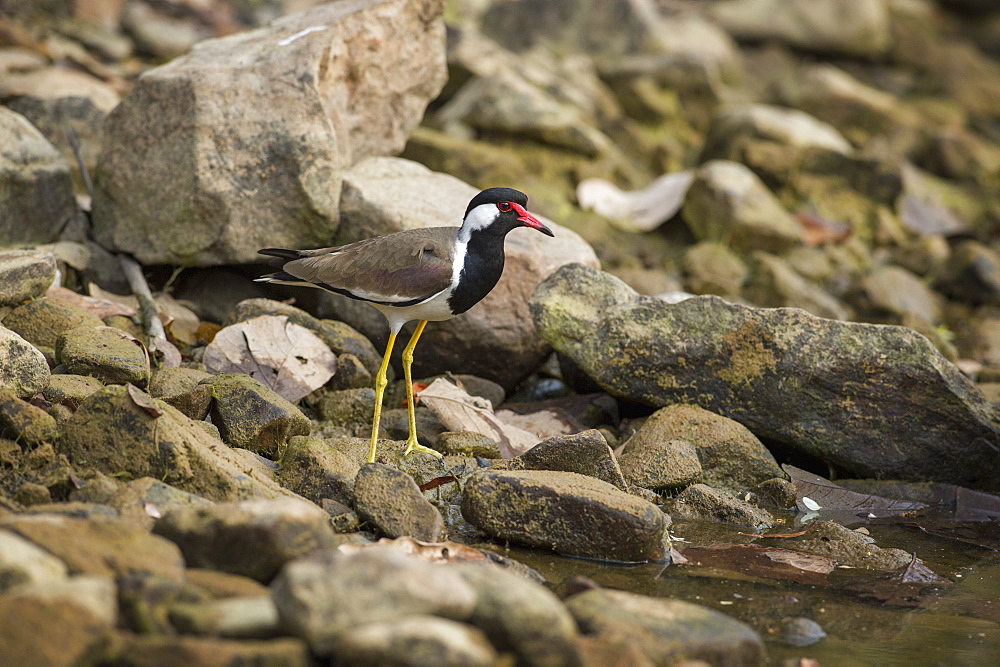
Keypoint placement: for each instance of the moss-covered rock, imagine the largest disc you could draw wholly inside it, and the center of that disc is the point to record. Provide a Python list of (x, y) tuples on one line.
[(567, 512), (876, 400), (126, 432), (24, 422), (315, 469), (109, 354), (69, 389), (42, 321), (251, 416)]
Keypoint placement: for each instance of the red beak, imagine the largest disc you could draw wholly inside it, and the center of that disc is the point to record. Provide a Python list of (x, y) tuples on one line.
[(530, 221)]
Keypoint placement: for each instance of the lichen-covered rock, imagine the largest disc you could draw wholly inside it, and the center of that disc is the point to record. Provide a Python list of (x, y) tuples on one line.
[(25, 274), (107, 353), (118, 432), (181, 387), (773, 283), (251, 416), (279, 530), (566, 512), (660, 465), (877, 400), (711, 267), (665, 631), (392, 502), (22, 367)]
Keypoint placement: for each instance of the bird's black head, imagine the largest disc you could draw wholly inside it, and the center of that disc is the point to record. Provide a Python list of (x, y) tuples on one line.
[(500, 210)]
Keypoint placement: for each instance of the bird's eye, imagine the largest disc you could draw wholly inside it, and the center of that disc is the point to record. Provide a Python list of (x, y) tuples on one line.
[(504, 206)]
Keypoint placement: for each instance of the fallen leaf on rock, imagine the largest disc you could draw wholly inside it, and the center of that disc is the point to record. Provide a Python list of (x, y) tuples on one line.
[(764, 562), (546, 423), (97, 305), (843, 505), (435, 552), (143, 400), (459, 411), (638, 211), (286, 357)]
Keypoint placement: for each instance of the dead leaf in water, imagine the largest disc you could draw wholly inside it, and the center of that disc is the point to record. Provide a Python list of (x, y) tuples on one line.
[(286, 357), (764, 562), (843, 505)]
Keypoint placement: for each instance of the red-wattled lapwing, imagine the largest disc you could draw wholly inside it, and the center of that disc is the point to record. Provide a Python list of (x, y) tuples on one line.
[(430, 274)]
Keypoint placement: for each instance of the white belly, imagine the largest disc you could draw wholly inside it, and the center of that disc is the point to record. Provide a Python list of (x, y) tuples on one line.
[(435, 309)]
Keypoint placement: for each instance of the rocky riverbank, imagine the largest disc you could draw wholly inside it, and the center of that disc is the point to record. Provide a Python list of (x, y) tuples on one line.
[(775, 243)]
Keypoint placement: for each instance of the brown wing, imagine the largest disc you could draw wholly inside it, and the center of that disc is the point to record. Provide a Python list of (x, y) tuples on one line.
[(412, 264)]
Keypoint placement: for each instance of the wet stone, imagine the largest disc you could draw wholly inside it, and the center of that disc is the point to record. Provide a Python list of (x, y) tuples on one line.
[(279, 530), (849, 547), (566, 512), (700, 501), (665, 631), (391, 501)]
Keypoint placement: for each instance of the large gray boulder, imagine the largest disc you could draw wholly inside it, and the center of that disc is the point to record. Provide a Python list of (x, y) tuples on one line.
[(875, 400), (241, 144), (36, 190)]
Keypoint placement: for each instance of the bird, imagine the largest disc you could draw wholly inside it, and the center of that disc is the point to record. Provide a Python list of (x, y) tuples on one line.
[(429, 274)]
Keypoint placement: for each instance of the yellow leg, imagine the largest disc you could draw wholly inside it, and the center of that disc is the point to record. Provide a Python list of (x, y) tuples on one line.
[(411, 441), (380, 382)]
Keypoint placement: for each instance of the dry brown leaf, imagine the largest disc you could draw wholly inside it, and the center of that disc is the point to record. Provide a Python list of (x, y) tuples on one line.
[(546, 423), (180, 320), (143, 400), (286, 357), (459, 411), (97, 305)]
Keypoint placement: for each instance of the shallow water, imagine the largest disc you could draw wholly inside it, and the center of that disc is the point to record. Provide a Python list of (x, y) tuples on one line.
[(955, 625)]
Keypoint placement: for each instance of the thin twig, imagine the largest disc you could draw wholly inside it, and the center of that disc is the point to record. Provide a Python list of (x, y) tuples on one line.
[(147, 307)]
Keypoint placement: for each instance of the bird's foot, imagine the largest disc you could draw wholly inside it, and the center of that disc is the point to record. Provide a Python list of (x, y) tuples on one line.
[(413, 446)]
